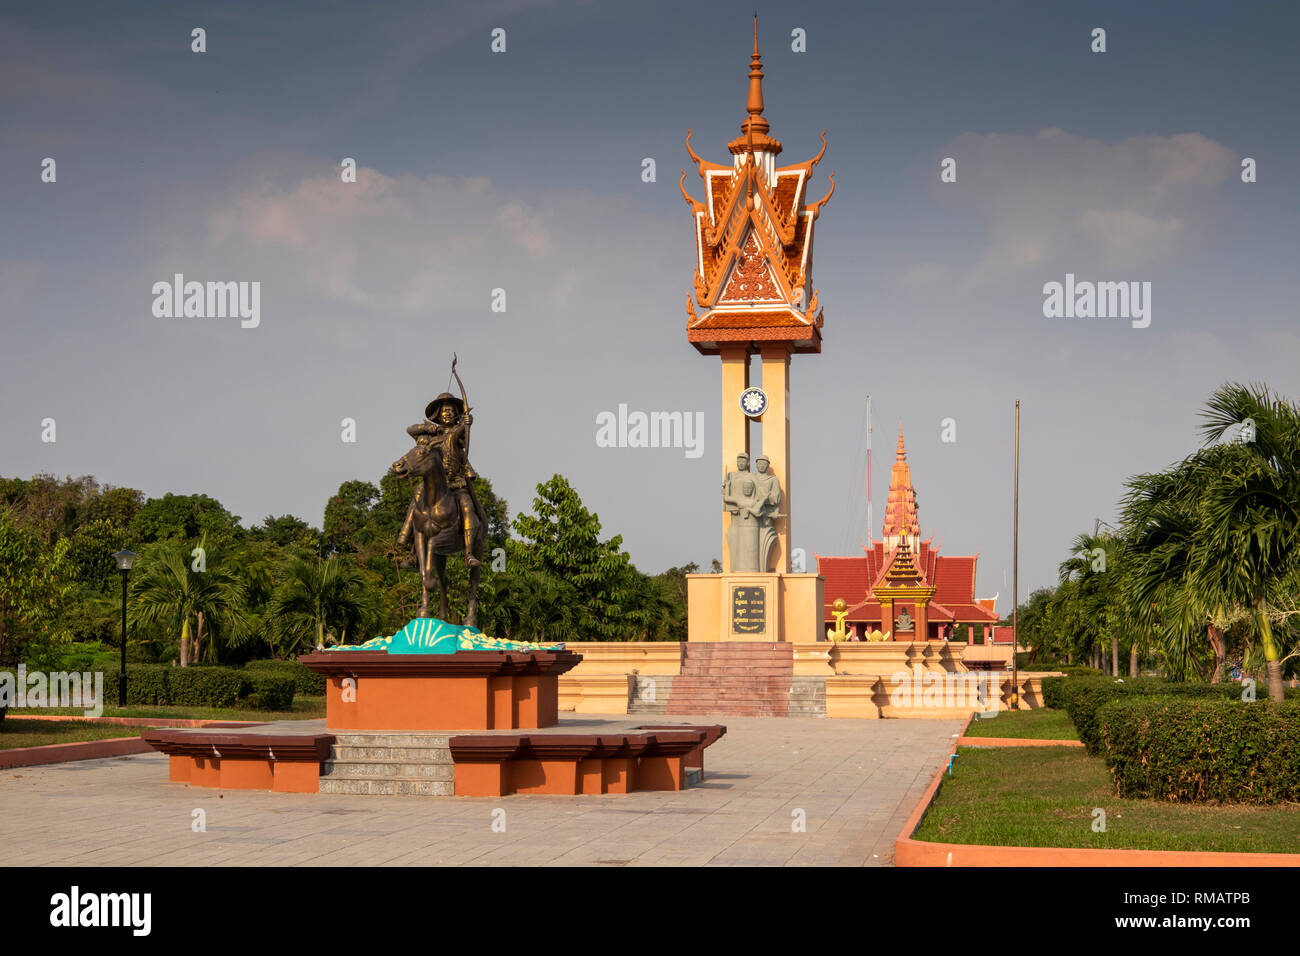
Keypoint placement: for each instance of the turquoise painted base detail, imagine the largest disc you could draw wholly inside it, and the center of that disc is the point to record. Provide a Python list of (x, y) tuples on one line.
[(428, 635)]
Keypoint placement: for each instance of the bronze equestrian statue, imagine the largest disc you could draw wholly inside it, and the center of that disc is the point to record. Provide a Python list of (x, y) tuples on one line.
[(445, 517)]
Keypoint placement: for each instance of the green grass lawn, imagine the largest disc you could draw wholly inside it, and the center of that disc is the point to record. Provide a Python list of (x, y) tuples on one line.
[(1040, 724), (1045, 796), (16, 732), (304, 708)]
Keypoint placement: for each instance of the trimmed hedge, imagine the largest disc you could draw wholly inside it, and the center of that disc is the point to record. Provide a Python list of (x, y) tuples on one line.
[(1090, 694), (305, 681), (1185, 749), (269, 692), (1053, 692), (208, 686)]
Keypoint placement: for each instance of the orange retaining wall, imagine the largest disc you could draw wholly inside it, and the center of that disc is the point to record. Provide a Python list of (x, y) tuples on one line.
[(81, 750)]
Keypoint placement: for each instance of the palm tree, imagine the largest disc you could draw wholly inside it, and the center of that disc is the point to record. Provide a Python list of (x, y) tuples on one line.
[(1163, 524), (1220, 532), (320, 597), (1252, 505), (530, 605), (170, 592), (1092, 569)]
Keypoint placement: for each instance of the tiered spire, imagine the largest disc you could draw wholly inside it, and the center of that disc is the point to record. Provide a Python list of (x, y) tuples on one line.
[(753, 236), (753, 129), (900, 510)]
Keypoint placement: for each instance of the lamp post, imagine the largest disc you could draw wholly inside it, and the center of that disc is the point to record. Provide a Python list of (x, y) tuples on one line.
[(124, 561)]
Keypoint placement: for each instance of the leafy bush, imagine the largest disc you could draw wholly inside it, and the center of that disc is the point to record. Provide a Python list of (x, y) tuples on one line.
[(83, 656), (207, 686), (1082, 697), (146, 684), (1053, 691), (1185, 749), (269, 692), (305, 681)]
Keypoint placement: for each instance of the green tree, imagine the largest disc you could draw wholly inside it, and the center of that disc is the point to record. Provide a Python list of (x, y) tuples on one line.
[(562, 539), (184, 518), (288, 531), (90, 553), (1252, 506), (33, 582), (319, 599), (1219, 533), (195, 605), (118, 506), (347, 518)]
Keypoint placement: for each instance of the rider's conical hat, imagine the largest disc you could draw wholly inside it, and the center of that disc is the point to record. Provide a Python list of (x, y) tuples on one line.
[(446, 398)]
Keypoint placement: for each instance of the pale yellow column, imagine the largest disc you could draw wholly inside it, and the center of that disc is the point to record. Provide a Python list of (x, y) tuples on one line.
[(776, 440), (735, 424)]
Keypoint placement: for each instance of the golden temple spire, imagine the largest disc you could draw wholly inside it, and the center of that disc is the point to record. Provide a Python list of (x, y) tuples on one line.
[(900, 508)]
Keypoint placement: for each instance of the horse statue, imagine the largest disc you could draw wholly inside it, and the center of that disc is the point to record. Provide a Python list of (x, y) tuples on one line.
[(440, 529)]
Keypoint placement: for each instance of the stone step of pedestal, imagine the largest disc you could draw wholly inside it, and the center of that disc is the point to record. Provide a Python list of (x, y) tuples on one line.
[(344, 752), (367, 769), (637, 706), (389, 786), (389, 764)]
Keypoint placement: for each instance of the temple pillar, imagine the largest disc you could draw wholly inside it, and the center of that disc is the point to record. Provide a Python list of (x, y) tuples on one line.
[(735, 424), (776, 440), (887, 618), (922, 620)]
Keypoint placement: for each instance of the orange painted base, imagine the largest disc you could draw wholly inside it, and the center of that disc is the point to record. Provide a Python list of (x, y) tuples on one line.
[(227, 773), (397, 703), (569, 777)]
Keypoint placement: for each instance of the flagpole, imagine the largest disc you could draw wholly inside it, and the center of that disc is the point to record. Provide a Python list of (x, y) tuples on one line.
[(1015, 571), (870, 517)]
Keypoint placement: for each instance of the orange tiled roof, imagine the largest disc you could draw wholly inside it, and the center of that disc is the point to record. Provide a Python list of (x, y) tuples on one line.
[(767, 241), (719, 319)]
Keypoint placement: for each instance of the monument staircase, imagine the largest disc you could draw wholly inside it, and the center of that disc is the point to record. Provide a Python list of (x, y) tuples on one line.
[(389, 763), (737, 679)]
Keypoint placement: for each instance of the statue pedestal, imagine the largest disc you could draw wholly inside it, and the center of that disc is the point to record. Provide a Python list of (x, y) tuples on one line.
[(755, 606), (467, 690)]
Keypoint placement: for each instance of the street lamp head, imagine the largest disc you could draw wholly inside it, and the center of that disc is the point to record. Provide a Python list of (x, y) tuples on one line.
[(125, 559)]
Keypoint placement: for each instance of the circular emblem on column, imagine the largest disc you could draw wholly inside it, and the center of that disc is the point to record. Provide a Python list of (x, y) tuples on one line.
[(753, 402)]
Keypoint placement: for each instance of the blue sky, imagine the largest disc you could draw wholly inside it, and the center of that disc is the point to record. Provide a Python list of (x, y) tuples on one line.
[(521, 171)]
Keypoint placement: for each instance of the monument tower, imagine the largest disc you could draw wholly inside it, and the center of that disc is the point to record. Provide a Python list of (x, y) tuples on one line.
[(754, 296)]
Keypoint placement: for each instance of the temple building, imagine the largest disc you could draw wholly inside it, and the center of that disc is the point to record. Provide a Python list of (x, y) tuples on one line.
[(901, 586)]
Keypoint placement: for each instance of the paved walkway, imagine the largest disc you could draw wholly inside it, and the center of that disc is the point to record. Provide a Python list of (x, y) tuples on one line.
[(856, 781)]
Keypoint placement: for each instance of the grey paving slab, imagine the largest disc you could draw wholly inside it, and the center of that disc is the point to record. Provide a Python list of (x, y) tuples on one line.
[(850, 783)]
